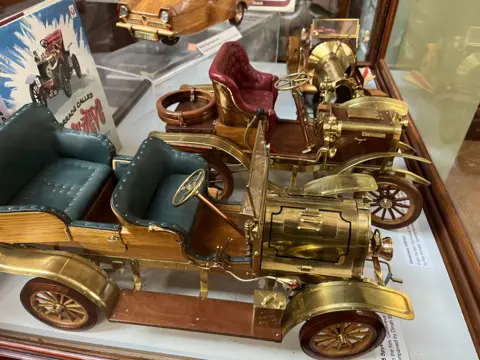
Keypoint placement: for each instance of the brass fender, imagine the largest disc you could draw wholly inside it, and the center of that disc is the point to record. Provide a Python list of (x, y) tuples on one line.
[(204, 141), (342, 296), (208, 141), (66, 268), (380, 155), (341, 183)]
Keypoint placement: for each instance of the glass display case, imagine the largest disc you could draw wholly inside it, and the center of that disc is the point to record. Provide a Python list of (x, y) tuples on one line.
[(412, 114)]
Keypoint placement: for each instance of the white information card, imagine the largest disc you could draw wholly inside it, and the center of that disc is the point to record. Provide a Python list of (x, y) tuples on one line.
[(393, 347), (415, 249)]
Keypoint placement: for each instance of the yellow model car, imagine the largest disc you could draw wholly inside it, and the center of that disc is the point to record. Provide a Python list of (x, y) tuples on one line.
[(167, 20)]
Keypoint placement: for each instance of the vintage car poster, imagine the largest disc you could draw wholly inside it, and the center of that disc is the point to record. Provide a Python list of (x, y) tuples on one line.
[(274, 5), (45, 58)]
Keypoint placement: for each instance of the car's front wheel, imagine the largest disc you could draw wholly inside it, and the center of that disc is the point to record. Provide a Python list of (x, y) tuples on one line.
[(37, 94), (64, 81), (237, 18), (58, 305)]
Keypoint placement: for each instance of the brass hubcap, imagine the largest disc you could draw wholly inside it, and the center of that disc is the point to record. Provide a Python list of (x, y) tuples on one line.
[(58, 308), (386, 203), (389, 202), (344, 339)]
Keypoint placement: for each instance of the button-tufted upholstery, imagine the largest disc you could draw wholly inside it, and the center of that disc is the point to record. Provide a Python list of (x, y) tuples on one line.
[(250, 88), (144, 195), (45, 167)]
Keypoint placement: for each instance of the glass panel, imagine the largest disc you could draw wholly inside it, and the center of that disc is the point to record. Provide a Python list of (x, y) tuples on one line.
[(257, 182), (308, 11), (434, 58)]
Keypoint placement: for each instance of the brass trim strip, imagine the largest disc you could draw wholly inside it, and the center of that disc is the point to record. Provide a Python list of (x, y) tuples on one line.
[(336, 296)]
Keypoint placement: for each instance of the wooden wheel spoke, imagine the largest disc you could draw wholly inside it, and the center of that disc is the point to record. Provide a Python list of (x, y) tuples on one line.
[(357, 331), (398, 211), (384, 212), (49, 296), (395, 193), (71, 315), (390, 211), (69, 301), (376, 210), (78, 311), (324, 341), (401, 199), (332, 344), (404, 206), (43, 302)]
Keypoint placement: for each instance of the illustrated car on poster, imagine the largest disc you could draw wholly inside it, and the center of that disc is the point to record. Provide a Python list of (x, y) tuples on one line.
[(167, 20), (55, 67)]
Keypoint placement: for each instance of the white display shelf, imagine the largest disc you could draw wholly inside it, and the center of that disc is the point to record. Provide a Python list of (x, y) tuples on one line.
[(438, 331)]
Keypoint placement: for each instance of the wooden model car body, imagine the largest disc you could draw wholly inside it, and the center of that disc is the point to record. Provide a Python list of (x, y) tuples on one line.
[(170, 19), (77, 212)]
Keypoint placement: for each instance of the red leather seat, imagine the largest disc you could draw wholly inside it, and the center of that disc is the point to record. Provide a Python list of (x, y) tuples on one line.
[(240, 89)]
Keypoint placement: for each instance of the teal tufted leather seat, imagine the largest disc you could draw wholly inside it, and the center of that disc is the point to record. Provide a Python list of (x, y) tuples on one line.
[(144, 195), (46, 167)]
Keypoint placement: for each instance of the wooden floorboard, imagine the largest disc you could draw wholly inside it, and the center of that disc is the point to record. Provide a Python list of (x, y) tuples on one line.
[(190, 313)]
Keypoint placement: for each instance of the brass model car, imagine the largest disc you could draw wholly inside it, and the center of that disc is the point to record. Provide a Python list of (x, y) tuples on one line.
[(167, 20), (65, 210), (327, 52), (361, 135)]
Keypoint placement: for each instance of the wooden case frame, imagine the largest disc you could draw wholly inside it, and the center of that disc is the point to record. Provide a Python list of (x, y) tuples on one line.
[(452, 239)]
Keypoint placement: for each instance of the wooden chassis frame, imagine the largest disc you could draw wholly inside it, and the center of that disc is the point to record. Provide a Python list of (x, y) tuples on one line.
[(451, 237)]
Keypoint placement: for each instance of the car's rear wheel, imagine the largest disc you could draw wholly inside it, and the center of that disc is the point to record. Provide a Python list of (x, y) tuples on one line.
[(170, 41), (76, 66), (58, 305), (64, 81), (237, 18)]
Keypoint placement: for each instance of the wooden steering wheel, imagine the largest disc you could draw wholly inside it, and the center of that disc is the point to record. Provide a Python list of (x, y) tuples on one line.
[(292, 81), (189, 188)]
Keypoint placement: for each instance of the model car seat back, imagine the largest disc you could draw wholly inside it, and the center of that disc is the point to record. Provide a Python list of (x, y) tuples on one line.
[(26, 146), (144, 195), (240, 89)]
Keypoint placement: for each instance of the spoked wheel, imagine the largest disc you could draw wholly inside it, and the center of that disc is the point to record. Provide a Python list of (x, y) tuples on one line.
[(64, 81), (237, 18), (57, 305), (220, 179), (396, 203), (341, 335)]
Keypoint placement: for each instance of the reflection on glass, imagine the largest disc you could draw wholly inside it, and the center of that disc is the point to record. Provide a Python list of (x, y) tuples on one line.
[(434, 58)]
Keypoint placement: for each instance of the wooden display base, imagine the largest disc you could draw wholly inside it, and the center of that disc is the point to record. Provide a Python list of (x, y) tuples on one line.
[(190, 313)]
